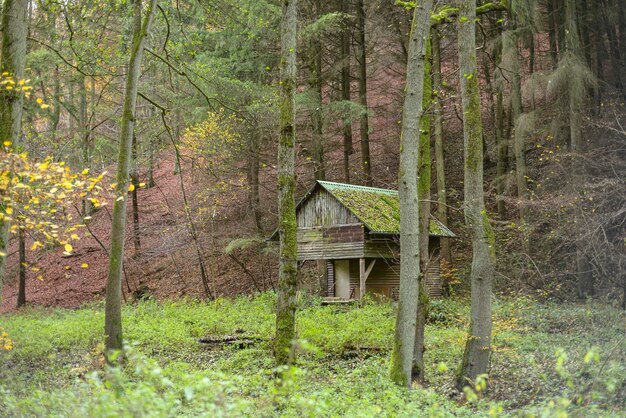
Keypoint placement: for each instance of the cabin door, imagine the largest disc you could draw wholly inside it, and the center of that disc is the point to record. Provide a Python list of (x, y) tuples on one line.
[(342, 279)]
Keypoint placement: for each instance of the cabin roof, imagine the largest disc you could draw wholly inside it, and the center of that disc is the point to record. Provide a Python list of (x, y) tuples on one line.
[(378, 209)]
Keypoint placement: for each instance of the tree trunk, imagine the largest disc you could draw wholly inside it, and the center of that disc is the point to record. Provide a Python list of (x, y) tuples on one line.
[(85, 135), (499, 133), (287, 281), (253, 177), (403, 347), (113, 308), (12, 60), (552, 33), (442, 200), (575, 102), (478, 345), (510, 57), (345, 95), (423, 197), (134, 180), (21, 292), (56, 111), (364, 121), (316, 84)]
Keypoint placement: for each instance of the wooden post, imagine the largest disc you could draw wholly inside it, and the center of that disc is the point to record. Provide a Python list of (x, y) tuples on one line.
[(362, 278)]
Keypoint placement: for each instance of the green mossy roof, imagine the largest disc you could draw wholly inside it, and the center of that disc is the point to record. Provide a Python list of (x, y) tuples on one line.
[(378, 209)]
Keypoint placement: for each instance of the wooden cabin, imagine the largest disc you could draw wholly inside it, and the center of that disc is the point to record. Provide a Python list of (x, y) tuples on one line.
[(356, 230)]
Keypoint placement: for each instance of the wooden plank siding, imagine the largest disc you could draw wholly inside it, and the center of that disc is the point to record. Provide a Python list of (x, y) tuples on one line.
[(334, 242), (323, 209), (385, 279)]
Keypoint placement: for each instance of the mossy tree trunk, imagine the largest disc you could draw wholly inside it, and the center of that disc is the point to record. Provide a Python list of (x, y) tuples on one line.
[(478, 346), (12, 61), (423, 197), (287, 282), (442, 200), (113, 308), (404, 339)]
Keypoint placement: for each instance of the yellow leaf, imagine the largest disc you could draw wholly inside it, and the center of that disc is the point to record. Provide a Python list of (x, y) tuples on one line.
[(39, 100), (68, 248), (74, 236), (40, 277), (142, 184), (9, 211), (7, 143), (84, 265), (131, 187)]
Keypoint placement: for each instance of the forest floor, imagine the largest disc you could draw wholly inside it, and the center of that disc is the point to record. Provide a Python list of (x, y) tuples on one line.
[(548, 359)]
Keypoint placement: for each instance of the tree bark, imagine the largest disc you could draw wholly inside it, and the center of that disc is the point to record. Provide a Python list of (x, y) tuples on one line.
[(12, 61), (21, 292), (134, 180), (113, 308), (442, 200), (345, 95), (423, 197), (364, 120), (552, 33), (85, 135), (316, 84), (575, 103), (253, 177), (510, 57), (403, 347), (287, 282), (478, 345)]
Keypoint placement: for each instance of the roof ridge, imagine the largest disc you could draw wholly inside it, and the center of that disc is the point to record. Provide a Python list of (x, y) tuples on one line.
[(325, 183)]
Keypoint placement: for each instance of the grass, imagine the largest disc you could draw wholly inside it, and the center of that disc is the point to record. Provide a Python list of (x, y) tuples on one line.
[(548, 359)]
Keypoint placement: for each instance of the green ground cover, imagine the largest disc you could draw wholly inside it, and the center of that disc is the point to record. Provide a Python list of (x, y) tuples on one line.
[(549, 359)]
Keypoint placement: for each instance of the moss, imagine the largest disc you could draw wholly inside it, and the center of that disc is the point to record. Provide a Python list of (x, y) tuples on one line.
[(378, 209), (424, 127)]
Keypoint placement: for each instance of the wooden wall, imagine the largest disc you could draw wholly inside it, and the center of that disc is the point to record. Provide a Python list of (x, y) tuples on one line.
[(322, 209), (385, 279), (336, 242)]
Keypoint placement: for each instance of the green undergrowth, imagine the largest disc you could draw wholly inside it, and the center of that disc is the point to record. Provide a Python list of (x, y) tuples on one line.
[(548, 360)]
